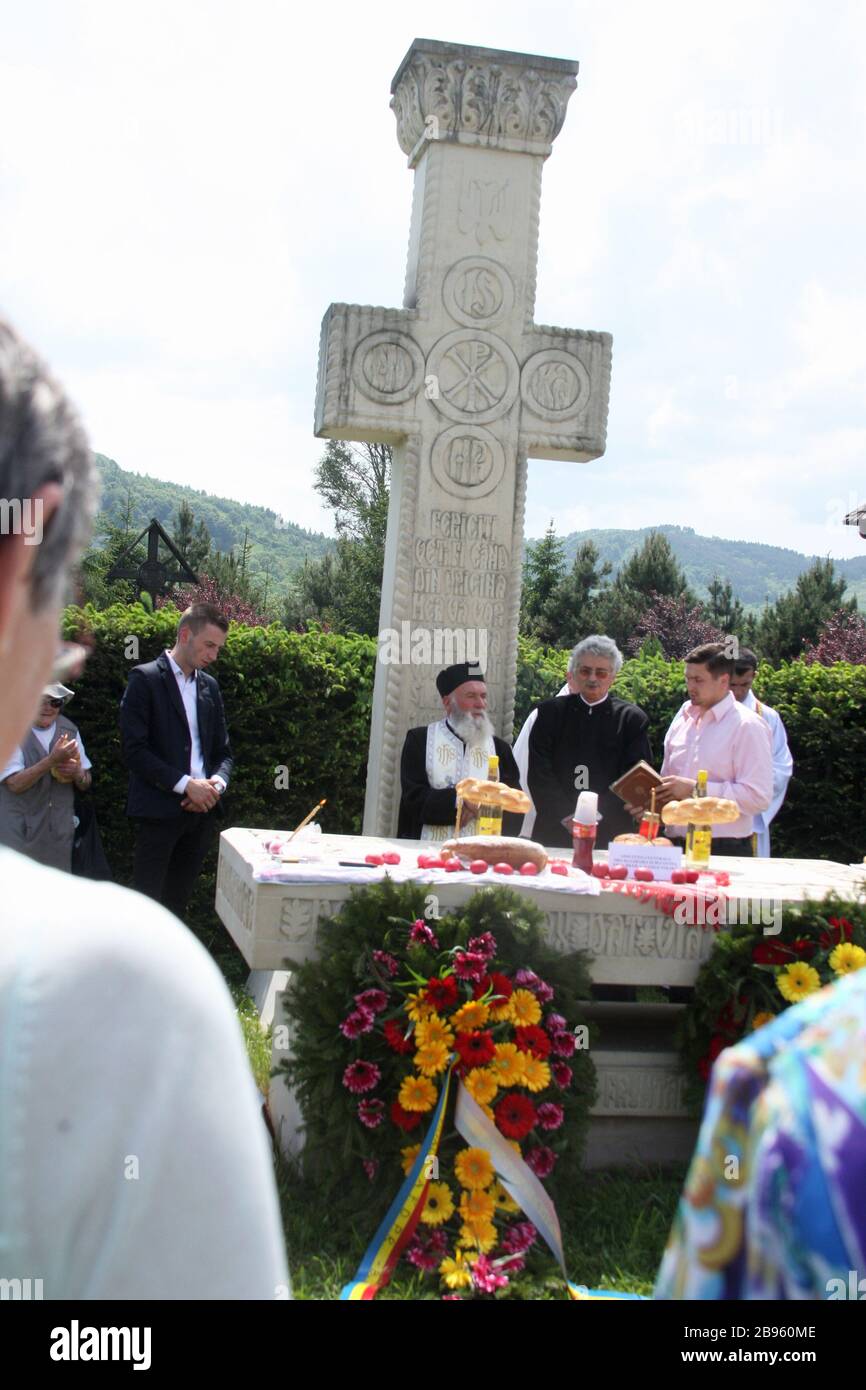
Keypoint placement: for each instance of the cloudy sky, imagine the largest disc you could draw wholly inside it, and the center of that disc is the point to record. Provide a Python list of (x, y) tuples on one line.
[(186, 186)]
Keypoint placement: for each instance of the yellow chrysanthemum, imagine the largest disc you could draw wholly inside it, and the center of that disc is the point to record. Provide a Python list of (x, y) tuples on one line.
[(761, 1018), (417, 1007), (507, 1065), (432, 1058), (473, 1169), (502, 1200), (481, 1085), (417, 1093), (500, 1013), (480, 1236), (525, 1009), (797, 981), (476, 1206), (536, 1074), (471, 1016), (433, 1030), (847, 958), (408, 1156), (457, 1273), (439, 1205), (488, 1111)]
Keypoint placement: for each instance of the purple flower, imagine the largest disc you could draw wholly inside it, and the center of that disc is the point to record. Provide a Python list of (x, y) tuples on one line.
[(371, 1167), (563, 1044), (422, 1257), (555, 1023), (361, 1076), (371, 1113), (469, 965), (519, 1239), (550, 1115), (422, 935), (562, 1075), (527, 979), (387, 962), (373, 999), (486, 1276), (358, 1022), (542, 1161), (483, 945)]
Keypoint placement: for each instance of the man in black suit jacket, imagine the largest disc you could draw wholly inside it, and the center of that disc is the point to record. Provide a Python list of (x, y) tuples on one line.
[(176, 746), (583, 741)]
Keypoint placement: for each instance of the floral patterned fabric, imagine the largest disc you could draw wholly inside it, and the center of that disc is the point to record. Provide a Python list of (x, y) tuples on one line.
[(774, 1205)]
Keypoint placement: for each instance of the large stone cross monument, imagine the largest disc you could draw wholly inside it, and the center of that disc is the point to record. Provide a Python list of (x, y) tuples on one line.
[(462, 382)]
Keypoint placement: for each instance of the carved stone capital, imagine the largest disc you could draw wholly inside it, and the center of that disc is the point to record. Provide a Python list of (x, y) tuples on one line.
[(480, 96)]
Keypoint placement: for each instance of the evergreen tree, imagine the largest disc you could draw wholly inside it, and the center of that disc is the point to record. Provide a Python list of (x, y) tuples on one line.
[(655, 569), (796, 618), (543, 572), (722, 609), (192, 540), (568, 614)]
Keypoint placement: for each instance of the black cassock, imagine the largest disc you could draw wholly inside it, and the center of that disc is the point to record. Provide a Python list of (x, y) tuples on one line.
[(607, 739), (422, 804)]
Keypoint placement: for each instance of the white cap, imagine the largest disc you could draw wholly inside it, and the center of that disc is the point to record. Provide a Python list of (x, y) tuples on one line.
[(58, 691), (586, 812)]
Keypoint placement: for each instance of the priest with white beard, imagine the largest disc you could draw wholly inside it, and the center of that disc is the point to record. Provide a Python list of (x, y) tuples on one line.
[(438, 756)]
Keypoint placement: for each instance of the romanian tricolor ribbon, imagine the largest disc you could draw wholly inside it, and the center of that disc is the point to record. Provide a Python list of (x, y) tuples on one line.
[(399, 1223)]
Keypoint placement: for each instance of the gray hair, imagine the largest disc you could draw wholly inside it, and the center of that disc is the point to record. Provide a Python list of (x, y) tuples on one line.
[(604, 647), (42, 441)]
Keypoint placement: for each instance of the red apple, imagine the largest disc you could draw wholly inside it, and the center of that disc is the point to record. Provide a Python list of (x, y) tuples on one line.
[(679, 876), (373, 859), (529, 870), (392, 857), (478, 866), (559, 868), (423, 861), (619, 872), (692, 875), (453, 866), (503, 869), (435, 863), (644, 875), (600, 871)]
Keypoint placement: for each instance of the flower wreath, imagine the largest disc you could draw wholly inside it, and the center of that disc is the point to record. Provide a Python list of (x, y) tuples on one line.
[(752, 975), (376, 1020)]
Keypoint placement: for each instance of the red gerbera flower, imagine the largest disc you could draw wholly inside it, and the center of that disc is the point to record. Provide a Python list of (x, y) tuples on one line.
[(405, 1119), (476, 1049), (771, 953), (515, 1115), (502, 985), (533, 1039), (482, 986), (395, 1039), (442, 994), (805, 948), (840, 930)]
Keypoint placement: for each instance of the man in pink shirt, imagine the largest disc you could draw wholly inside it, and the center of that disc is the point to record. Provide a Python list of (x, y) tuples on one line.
[(714, 731)]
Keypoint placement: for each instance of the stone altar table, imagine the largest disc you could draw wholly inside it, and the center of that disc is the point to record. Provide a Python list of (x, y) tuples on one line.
[(640, 1114)]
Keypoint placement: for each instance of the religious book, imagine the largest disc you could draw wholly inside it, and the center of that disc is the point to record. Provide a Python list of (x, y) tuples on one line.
[(634, 786)]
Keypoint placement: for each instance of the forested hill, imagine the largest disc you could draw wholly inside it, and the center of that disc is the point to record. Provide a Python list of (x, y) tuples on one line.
[(282, 544), (756, 571)]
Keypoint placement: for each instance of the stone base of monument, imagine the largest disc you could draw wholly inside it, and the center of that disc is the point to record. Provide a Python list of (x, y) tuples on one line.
[(640, 1115)]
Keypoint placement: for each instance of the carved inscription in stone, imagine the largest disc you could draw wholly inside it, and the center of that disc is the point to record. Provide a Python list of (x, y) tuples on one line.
[(632, 1090), (388, 367), (477, 291), (467, 461), (485, 209), (554, 384), (477, 374)]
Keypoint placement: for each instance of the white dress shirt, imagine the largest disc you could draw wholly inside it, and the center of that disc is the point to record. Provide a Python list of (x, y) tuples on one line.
[(188, 687), (521, 757), (783, 766)]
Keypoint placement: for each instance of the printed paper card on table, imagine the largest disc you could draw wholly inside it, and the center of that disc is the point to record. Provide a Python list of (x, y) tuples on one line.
[(662, 860)]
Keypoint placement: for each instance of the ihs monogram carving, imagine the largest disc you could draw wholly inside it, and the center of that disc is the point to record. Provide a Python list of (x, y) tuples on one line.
[(478, 291)]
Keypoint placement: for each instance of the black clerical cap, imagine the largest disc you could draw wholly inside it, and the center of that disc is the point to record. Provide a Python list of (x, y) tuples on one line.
[(452, 676)]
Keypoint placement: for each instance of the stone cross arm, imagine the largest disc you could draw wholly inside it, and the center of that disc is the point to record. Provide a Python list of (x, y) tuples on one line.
[(381, 370)]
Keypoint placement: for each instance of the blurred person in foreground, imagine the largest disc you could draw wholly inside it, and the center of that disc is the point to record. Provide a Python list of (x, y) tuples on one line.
[(133, 1159), (774, 1204)]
